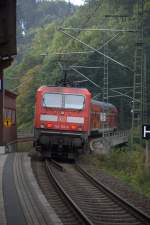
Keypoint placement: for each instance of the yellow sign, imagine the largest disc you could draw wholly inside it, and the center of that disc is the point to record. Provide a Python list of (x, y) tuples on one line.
[(7, 123)]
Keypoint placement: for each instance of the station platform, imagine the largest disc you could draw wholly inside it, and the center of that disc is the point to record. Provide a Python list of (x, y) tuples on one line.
[(21, 200)]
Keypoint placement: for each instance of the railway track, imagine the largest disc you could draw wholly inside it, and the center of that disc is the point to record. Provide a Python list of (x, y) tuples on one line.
[(23, 201), (66, 211), (139, 214), (95, 203)]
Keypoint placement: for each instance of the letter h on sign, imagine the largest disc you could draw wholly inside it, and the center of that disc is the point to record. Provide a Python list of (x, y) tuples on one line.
[(146, 131)]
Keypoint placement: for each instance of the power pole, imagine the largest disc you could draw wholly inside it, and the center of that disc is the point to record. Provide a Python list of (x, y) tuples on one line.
[(137, 113), (145, 116), (105, 85), (105, 81), (106, 60)]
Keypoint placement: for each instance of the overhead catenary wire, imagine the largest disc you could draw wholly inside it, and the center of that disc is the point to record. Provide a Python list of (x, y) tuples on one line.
[(81, 81), (114, 96), (94, 49), (99, 94), (83, 52), (14, 89), (88, 67), (123, 94), (122, 88), (98, 86), (12, 78), (99, 29)]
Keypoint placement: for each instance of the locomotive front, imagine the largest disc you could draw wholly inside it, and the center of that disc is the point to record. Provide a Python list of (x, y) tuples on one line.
[(61, 120)]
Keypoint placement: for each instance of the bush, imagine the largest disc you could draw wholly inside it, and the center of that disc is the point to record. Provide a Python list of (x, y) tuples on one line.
[(129, 166), (126, 164)]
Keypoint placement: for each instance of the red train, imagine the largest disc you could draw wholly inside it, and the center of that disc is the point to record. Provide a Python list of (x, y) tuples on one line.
[(66, 117)]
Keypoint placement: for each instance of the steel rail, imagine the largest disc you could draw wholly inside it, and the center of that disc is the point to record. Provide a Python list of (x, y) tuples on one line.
[(140, 215), (79, 212), (57, 165)]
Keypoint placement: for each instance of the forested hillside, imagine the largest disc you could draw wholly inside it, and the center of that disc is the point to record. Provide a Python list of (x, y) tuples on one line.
[(40, 39)]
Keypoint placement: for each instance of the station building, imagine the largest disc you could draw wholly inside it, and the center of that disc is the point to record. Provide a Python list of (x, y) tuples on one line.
[(10, 127)]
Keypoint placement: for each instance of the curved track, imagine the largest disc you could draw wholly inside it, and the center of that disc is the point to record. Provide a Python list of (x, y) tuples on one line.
[(65, 210), (96, 203)]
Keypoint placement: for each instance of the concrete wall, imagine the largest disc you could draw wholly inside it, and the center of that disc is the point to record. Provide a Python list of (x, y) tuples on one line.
[(103, 145)]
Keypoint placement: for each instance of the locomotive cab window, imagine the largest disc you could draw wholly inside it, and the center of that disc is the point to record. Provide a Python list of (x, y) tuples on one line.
[(52, 100), (67, 101), (74, 101)]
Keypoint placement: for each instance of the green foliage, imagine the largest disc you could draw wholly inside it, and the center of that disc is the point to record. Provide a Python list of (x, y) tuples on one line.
[(36, 51), (125, 160), (29, 84), (126, 164), (37, 64), (129, 166), (33, 14)]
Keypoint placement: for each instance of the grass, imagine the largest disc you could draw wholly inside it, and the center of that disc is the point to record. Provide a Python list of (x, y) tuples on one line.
[(24, 146), (126, 164)]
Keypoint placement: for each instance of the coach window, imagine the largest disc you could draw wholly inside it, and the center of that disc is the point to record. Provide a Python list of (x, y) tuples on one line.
[(52, 100), (74, 101)]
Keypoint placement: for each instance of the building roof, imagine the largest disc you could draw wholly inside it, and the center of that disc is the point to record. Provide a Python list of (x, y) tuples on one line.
[(10, 94)]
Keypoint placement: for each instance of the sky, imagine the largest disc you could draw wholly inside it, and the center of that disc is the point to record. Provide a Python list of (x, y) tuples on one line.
[(77, 2)]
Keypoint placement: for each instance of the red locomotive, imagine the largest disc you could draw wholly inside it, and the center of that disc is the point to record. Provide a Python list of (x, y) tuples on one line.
[(65, 117)]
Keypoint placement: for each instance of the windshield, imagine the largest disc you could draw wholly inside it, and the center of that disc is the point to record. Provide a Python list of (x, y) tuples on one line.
[(67, 101), (52, 100)]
